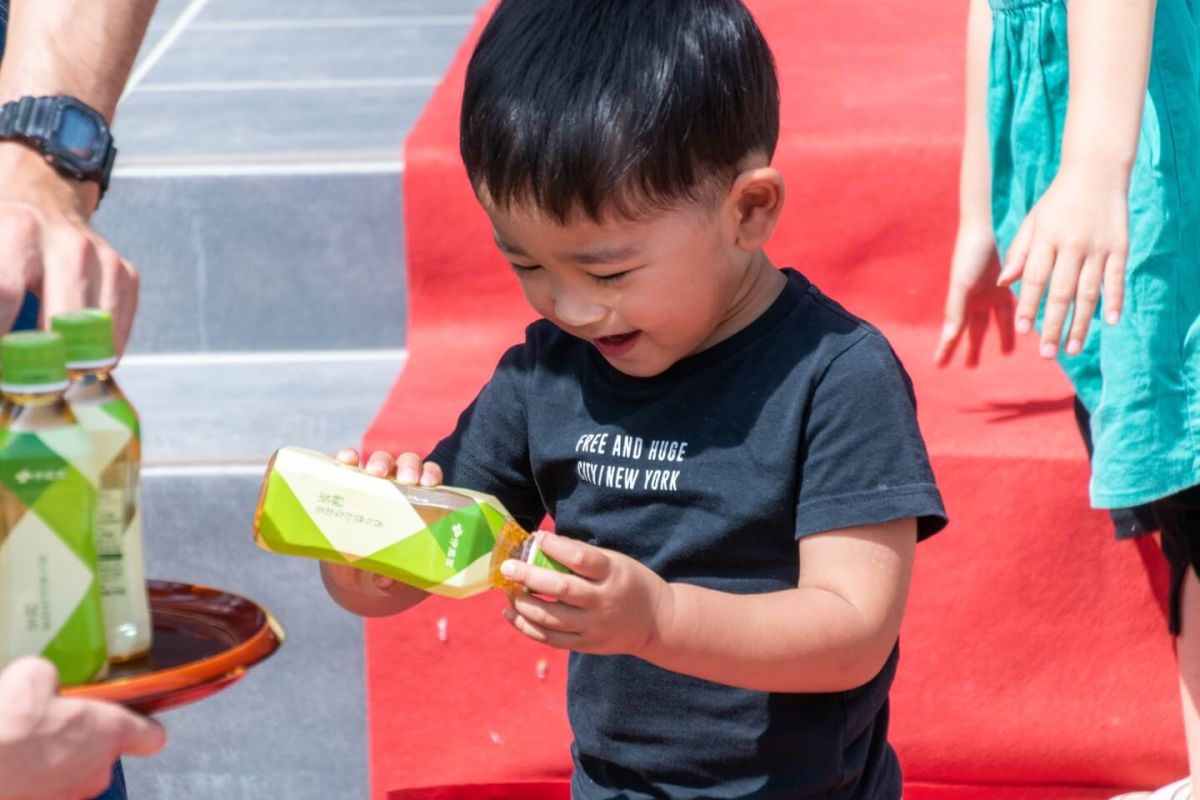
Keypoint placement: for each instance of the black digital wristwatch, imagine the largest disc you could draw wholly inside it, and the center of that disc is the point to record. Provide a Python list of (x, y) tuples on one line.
[(72, 135)]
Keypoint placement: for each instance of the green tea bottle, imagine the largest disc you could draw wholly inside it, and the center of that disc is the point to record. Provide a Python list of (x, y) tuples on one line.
[(49, 594), (112, 425), (446, 541)]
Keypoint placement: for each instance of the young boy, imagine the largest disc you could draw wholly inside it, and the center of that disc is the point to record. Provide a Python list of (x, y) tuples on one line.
[(732, 460)]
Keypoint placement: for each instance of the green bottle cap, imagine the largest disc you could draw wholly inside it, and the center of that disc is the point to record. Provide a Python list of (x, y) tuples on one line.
[(33, 361), (88, 334)]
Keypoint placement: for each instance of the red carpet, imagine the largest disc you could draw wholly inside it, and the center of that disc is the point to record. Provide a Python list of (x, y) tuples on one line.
[(1035, 663)]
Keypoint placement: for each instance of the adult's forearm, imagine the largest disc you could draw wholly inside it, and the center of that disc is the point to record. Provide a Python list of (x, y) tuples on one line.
[(83, 48), (1110, 43)]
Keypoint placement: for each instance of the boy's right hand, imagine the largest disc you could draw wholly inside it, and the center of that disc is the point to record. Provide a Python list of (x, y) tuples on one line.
[(366, 593), (974, 297)]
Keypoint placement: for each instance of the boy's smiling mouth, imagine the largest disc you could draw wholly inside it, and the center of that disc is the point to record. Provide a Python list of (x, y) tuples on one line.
[(614, 346)]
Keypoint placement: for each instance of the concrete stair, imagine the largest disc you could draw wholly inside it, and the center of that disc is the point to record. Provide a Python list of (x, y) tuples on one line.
[(258, 191)]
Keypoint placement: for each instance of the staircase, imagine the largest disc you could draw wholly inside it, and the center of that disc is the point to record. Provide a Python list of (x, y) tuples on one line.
[(258, 191)]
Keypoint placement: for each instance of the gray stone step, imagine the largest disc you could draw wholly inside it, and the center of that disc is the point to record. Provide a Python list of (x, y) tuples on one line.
[(240, 410), (262, 262), (295, 726)]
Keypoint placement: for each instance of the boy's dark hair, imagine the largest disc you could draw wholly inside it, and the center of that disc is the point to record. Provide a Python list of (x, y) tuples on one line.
[(616, 105)]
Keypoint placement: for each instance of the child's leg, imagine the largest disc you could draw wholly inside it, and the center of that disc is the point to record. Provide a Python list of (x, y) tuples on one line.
[(1179, 517), (1188, 646)]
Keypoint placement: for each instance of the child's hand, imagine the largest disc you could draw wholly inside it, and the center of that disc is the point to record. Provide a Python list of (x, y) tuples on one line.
[(405, 468), (611, 605), (1075, 240), (974, 297), (366, 593)]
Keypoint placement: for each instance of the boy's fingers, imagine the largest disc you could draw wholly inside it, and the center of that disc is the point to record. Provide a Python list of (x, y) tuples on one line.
[(1037, 274), (549, 616), (1016, 259), (431, 475), (380, 463), (525, 627), (546, 582), (1114, 287), (408, 468), (582, 559), (1087, 296), (348, 455), (1064, 282)]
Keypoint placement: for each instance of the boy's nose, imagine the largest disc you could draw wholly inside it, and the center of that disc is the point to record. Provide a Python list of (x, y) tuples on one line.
[(578, 310)]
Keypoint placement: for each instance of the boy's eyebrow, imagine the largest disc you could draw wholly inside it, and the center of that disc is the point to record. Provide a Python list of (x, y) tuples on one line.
[(593, 255)]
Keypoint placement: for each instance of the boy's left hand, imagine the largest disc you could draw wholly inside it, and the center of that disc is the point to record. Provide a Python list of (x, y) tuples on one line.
[(611, 605)]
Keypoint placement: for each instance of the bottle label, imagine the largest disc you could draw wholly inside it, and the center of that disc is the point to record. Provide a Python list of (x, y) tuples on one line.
[(49, 599)]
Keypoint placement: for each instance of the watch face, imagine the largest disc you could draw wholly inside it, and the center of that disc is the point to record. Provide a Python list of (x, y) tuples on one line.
[(77, 134)]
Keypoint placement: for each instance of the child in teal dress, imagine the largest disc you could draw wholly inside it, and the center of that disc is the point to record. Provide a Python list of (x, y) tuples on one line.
[(1081, 166)]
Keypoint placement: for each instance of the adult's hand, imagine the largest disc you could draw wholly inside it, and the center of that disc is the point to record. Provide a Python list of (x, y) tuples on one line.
[(56, 748), (47, 246)]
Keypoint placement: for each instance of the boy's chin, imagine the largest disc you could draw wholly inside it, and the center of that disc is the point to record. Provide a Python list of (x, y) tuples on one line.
[(639, 368)]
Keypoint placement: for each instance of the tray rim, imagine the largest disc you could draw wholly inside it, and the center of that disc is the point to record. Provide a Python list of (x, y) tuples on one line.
[(222, 668)]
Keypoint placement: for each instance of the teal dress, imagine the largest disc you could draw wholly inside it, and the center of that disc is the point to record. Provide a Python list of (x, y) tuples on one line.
[(1140, 379)]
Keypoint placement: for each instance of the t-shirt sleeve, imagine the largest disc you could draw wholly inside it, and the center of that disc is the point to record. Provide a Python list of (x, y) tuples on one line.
[(864, 461), (489, 448)]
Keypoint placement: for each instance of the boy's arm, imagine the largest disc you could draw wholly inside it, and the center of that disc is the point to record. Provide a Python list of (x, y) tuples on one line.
[(833, 632)]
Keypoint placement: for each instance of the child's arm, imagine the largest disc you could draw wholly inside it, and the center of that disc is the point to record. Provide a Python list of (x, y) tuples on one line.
[(833, 632), (1076, 238), (973, 297), (365, 593)]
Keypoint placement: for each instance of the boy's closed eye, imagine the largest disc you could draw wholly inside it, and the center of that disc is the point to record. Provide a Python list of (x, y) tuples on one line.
[(525, 269)]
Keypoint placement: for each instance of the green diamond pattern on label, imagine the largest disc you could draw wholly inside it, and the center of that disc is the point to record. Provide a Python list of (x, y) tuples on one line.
[(49, 596), (446, 541)]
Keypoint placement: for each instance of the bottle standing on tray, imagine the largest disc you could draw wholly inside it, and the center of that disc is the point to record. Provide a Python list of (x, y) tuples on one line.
[(112, 425), (49, 593)]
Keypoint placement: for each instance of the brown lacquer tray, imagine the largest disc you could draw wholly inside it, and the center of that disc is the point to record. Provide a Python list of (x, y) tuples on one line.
[(204, 640)]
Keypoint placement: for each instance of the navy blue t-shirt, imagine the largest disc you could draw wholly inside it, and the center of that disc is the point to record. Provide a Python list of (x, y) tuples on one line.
[(709, 473)]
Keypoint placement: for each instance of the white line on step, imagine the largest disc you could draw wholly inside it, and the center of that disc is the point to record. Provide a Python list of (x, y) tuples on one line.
[(267, 357), (315, 84), (202, 170), (164, 44), (317, 23)]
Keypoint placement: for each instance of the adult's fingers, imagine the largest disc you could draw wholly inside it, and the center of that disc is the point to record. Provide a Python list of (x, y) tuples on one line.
[(71, 273), (119, 283), (20, 262), (140, 736)]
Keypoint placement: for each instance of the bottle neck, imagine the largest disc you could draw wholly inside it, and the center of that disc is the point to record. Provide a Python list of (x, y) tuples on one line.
[(92, 370), (38, 399)]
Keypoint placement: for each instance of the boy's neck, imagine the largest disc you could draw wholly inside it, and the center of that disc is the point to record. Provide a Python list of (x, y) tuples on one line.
[(760, 286)]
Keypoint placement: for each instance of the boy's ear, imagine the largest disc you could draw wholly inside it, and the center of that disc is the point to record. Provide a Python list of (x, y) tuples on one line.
[(757, 196)]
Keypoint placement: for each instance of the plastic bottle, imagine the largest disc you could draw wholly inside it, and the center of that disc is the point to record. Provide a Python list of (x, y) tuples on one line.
[(112, 424), (446, 541), (49, 593)]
